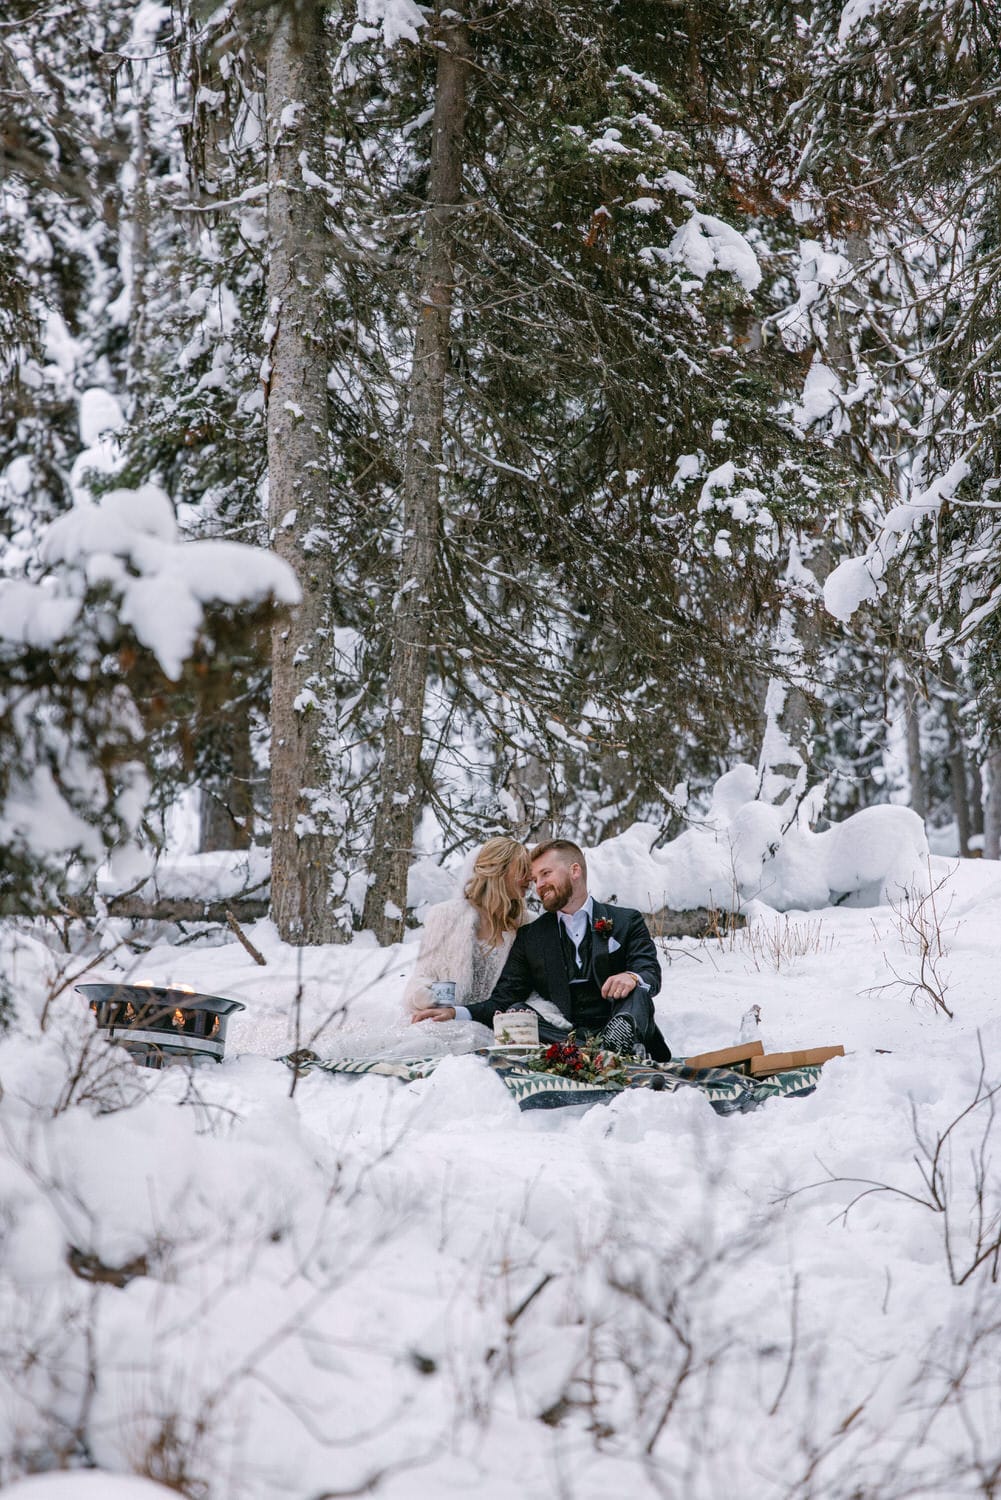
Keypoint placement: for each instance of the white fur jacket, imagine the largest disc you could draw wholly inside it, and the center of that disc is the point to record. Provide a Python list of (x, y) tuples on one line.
[(446, 952)]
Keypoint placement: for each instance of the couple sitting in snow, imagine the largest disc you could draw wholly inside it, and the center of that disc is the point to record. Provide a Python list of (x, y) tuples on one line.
[(581, 965)]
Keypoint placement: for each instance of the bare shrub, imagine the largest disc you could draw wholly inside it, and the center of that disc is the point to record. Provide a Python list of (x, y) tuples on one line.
[(919, 920), (776, 945), (968, 1205)]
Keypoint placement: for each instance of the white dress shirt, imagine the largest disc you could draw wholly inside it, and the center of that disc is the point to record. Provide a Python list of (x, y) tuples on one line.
[(577, 924)]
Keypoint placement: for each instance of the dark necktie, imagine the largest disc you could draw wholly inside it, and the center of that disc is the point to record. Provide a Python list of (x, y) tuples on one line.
[(575, 969)]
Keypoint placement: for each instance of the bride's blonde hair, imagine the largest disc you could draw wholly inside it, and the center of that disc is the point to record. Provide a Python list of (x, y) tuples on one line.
[(487, 890)]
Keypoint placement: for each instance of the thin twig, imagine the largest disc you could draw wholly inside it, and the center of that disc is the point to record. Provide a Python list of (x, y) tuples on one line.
[(235, 927)]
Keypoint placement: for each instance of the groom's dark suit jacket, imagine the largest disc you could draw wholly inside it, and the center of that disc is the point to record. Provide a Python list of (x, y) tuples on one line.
[(536, 965)]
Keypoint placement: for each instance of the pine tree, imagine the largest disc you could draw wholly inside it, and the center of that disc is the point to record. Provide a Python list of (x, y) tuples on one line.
[(617, 465), (899, 149)]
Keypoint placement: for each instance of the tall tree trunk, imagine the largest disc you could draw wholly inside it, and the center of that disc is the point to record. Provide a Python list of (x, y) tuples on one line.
[(226, 816), (961, 807), (915, 769), (385, 903), (303, 842), (992, 821), (137, 220), (787, 750), (958, 777), (977, 813), (783, 765)]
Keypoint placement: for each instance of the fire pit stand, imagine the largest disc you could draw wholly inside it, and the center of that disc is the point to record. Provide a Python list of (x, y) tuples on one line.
[(161, 1025)]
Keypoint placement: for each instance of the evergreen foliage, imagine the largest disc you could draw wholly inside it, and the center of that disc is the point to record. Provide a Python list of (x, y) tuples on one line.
[(726, 293), (602, 597)]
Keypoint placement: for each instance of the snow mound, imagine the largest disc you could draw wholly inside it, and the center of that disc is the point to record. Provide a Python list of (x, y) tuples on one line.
[(220, 875), (87, 1485), (747, 850), (744, 850)]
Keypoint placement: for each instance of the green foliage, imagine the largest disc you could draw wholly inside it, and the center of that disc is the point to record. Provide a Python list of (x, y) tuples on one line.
[(600, 613)]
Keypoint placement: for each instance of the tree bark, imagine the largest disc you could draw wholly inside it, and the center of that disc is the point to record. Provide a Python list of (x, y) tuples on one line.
[(915, 769), (958, 776), (977, 813), (138, 220), (303, 839), (786, 749), (187, 909), (992, 821), (226, 817), (385, 902), (957, 780), (786, 761)]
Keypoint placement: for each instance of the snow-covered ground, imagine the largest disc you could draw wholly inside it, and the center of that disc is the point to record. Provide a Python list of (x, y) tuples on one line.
[(417, 1286)]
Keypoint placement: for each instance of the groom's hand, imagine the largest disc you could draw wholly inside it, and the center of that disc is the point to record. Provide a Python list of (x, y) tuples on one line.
[(618, 986), (433, 1013)]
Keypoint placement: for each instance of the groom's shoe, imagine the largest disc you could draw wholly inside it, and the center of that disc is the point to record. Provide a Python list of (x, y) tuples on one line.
[(619, 1036)]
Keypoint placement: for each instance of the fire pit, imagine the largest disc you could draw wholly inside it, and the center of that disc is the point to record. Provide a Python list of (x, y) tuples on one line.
[(161, 1025)]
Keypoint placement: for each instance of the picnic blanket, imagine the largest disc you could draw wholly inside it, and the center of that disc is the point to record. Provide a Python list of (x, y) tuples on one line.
[(727, 1090)]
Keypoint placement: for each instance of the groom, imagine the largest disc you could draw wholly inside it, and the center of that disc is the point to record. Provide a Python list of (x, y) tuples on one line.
[(596, 964)]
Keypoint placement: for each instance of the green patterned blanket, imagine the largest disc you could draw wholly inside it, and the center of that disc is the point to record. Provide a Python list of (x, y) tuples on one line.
[(727, 1090)]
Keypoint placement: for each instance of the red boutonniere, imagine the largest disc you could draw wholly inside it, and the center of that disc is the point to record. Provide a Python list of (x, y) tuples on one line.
[(602, 926)]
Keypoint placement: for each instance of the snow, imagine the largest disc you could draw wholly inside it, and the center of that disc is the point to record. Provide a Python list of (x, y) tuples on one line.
[(854, 13), (19, 475), (37, 816), (817, 272), (678, 183), (87, 1486), (400, 20), (221, 875), (166, 583), (744, 852), (34, 616), (609, 143), (367, 1278), (100, 413), (904, 518), (858, 580), (688, 466), (822, 398), (704, 244), (855, 581)]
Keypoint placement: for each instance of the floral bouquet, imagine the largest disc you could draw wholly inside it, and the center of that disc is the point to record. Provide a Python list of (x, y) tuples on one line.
[(586, 1063)]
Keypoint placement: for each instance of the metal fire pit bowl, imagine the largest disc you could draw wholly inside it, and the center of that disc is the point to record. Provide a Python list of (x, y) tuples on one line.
[(161, 1025)]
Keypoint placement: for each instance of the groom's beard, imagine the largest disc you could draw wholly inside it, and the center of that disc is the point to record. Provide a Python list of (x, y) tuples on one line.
[(556, 894)]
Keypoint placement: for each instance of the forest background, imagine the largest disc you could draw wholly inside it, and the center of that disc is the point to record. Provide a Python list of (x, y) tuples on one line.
[(619, 383)]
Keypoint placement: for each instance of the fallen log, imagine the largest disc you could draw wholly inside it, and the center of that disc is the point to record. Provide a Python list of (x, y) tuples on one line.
[(186, 909), (697, 922)]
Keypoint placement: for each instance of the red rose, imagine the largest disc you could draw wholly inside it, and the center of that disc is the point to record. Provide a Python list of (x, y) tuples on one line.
[(603, 926)]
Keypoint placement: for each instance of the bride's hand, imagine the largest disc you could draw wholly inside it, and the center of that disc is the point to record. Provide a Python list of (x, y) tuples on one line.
[(433, 1013)]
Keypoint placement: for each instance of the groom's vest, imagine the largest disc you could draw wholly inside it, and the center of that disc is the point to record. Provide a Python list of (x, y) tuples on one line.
[(588, 1010)]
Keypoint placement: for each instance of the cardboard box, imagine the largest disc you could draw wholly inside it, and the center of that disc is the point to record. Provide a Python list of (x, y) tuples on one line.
[(778, 1062), (725, 1057)]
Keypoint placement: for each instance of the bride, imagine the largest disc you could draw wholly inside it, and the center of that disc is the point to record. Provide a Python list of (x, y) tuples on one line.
[(469, 939)]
